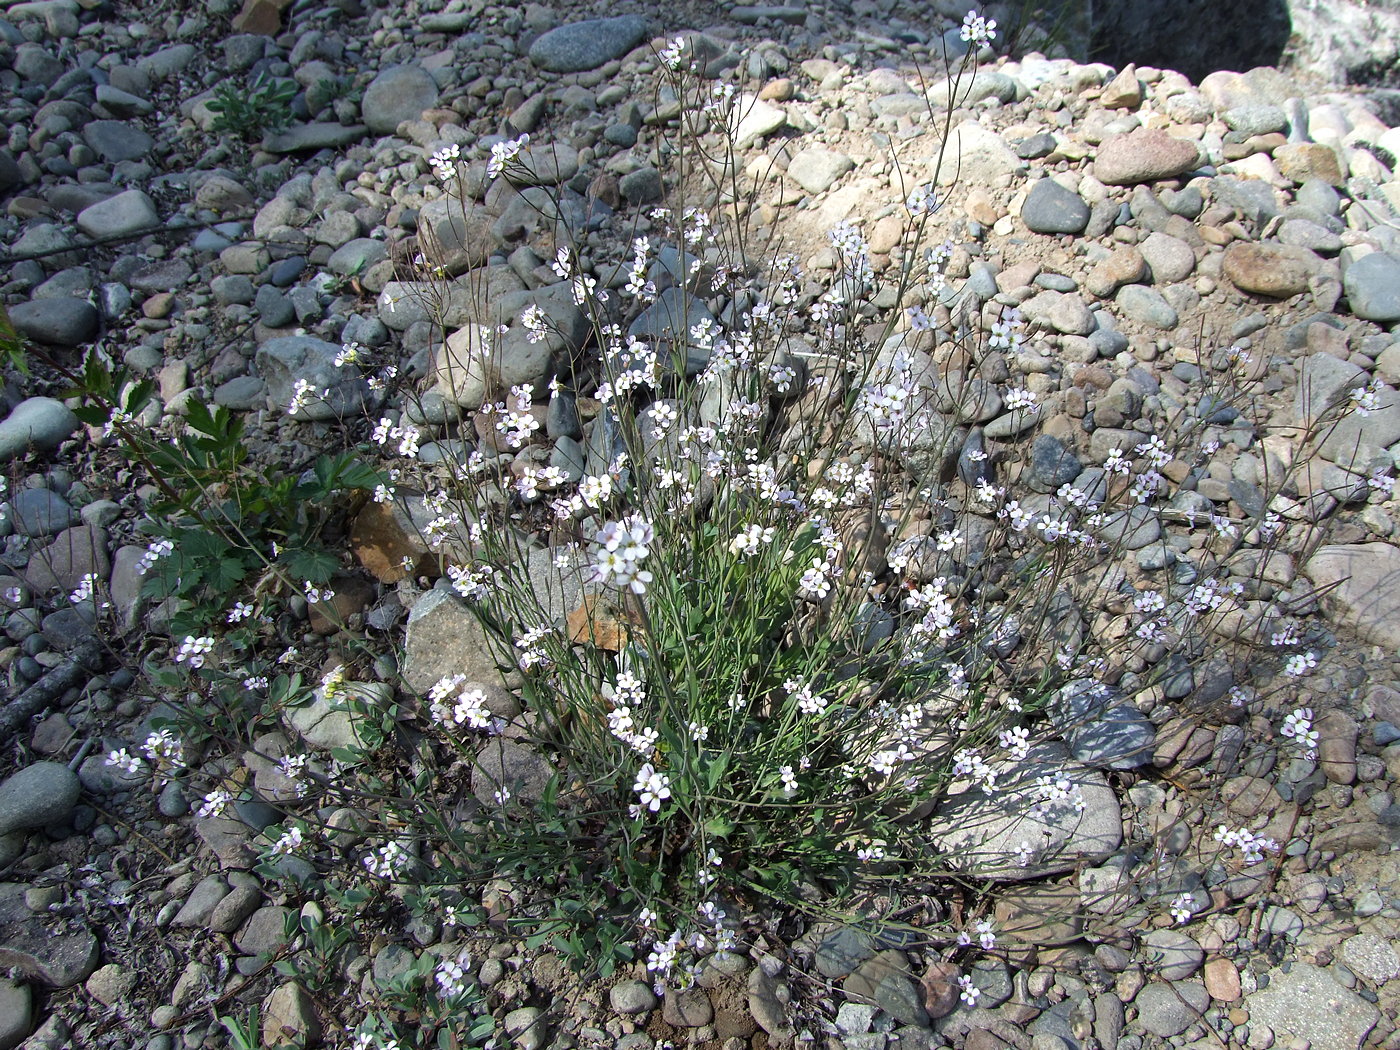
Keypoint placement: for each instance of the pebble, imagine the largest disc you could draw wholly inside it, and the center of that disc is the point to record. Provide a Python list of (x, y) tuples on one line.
[(1276, 270), (397, 94), (1143, 155), (816, 170), (1372, 286), (56, 322), (120, 216), (1050, 208)]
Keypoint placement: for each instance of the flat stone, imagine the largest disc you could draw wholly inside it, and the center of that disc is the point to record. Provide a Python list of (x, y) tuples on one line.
[(120, 216), (816, 169), (980, 833), (1309, 1003), (885, 980), (1277, 270), (974, 155), (1176, 955), (1045, 914), (1361, 585), (586, 45), (1146, 306), (756, 119), (116, 140), (290, 1017), (1223, 980), (1143, 155), (62, 321), (1168, 1010), (305, 138), (1170, 258), (16, 1012), (1101, 731), (285, 360), (1372, 956), (56, 956), (40, 512)]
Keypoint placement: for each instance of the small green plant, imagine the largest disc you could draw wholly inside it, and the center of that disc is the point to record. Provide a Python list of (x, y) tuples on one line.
[(252, 110), (243, 1034)]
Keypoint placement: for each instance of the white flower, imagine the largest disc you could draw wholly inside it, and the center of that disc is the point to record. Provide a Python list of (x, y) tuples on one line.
[(652, 788), (976, 29), (504, 152)]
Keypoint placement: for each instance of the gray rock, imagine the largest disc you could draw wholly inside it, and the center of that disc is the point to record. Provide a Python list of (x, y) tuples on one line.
[(274, 308), (1169, 1009), (816, 169), (202, 901), (336, 395), (642, 186), (528, 1027), (1102, 731), (397, 94), (1372, 286), (758, 119), (1253, 198), (1360, 584), (1146, 306), (666, 324), (119, 216), (1258, 118), (38, 796), (40, 512), (328, 725), (884, 980), (632, 997), (1174, 954), (1310, 1003), (168, 61), (587, 45), (303, 138), (1050, 208), (73, 554), (1301, 233), (16, 1013), (116, 140), (1324, 382), (1052, 464), (980, 832), (444, 639), (56, 322), (1170, 258)]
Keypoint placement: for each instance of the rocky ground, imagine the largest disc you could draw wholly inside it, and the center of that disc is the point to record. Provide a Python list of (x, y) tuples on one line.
[(1131, 215)]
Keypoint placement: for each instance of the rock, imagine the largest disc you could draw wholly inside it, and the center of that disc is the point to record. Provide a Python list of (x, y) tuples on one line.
[(1176, 956), (72, 555), (767, 999), (1050, 208), (982, 833), (1278, 270), (1324, 382), (1143, 155), (290, 1018), (61, 321), (1304, 161), (40, 512), (1052, 464), (527, 1026), (885, 981), (940, 988), (1372, 957), (1125, 266), (16, 1013), (1169, 1009), (38, 796), (444, 639), (120, 216), (509, 764), (1146, 306), (202, 901), (1309, 1003), (1170, 258), (1222, 980), (756, 119), (632, 997), (643, 186), (1361, 589), (1372, 286), (327, 724), (397, 94), (690, 1008), (1336, 747), (304, 138), (582, 46), (1124, 91), (975, 156), (543, 164), (1044, 914), (110, 984), (336, 395), (116, 141), (1102, 731), (816, 169), (57, 956)]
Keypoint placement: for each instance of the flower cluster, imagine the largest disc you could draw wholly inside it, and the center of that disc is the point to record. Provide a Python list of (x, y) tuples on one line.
[(621, 547), (1298, 727), (1251, 845)]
